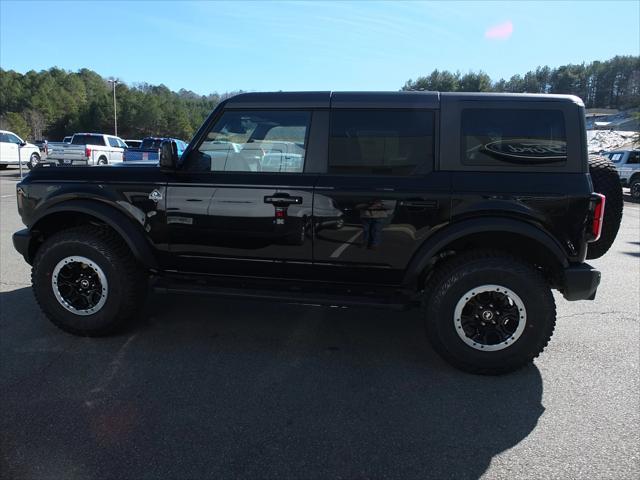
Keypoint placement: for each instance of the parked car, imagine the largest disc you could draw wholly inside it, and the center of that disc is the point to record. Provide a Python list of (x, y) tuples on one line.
[(10, 143), (88, 149), (627, 163), (149, 150), (471, 206), (133, 143)]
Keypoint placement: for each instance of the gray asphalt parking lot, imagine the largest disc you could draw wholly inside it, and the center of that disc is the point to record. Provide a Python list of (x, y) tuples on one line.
[(199, 387)]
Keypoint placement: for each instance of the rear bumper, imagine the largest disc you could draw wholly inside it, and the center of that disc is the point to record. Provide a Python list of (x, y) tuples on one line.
[(580, 282), (21, 242)]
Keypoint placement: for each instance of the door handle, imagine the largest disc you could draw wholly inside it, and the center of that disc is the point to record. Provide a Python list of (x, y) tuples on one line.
[(283, 199), (419, 203)]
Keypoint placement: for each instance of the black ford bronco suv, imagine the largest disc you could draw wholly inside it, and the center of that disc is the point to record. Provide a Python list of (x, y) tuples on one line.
[(472, 206)]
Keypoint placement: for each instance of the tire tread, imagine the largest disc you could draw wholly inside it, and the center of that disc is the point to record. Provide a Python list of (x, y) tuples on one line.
[(446, 275), (132, 278)]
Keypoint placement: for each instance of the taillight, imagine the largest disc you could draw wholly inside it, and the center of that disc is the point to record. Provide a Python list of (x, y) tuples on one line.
[(598, 216), (87, 152)]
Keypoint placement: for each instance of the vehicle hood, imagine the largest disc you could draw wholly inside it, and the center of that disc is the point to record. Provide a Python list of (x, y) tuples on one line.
[(84, 174)]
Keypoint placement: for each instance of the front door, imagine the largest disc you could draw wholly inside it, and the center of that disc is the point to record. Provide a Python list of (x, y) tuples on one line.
[(380, 199), (241, 203), (8, 147)]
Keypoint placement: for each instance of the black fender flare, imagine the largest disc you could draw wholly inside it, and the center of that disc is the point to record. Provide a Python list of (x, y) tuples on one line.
[(464, 228), (127, 227)]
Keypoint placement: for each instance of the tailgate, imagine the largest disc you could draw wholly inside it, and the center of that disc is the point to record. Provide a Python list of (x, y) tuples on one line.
[(142, 154)]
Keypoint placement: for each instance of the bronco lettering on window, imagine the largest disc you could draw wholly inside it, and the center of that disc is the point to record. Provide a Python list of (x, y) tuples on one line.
[(513, 137)]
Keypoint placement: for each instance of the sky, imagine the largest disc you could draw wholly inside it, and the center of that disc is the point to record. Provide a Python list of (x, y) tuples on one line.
[(263, 46)]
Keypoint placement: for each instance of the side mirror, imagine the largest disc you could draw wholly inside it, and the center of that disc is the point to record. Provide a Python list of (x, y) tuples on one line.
[(168, 154), (22, 144)]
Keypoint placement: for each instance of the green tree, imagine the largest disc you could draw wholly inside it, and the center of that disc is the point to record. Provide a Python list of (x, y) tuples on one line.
[(14, 122)]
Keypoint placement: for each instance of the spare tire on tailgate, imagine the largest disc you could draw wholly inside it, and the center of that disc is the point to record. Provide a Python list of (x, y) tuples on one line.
[(607, 182)]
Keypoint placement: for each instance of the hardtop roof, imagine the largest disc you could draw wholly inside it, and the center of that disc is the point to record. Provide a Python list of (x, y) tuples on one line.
[(401, 99)]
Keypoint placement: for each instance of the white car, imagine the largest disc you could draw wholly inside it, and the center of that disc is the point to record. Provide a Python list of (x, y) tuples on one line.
[(9, 144), (627, 163)]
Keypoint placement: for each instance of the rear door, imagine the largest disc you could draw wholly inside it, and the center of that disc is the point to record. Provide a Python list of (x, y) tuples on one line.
[(241, 203), (380, 198)]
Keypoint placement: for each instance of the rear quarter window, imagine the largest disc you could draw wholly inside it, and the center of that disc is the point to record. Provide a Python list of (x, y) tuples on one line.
[(513, 137)]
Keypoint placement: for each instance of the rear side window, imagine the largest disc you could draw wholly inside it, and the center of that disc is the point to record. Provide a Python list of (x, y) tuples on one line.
[(381, 142), (513, 137), (114, 142)]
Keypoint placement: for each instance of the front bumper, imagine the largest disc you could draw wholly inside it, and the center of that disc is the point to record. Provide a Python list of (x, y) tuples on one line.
[(580, 282), (21, 242)]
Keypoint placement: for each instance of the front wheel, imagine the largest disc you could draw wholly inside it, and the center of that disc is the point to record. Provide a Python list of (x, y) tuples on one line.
[(488, 313), (86, 281), (634, 187)]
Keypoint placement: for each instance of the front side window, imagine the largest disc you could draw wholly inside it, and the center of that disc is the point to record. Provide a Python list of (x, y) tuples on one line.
[(11, 138), (254, 141), (381, 142), (615, 157), (634, 158), (513, 137)]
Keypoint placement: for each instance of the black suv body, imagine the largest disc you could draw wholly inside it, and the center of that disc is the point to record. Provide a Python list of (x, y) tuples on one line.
[(340, 199)]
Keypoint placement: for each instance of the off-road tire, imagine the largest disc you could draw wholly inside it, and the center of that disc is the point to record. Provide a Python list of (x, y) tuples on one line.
[(449, 284), (127, 281), (606, 181), (33, 161)]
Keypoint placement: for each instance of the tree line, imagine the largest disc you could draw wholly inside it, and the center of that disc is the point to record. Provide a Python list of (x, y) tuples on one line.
[(614, 83), (54, 103)]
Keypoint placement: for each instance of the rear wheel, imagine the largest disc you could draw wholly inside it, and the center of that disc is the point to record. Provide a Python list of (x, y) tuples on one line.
[(488, 313), (606, 181), (33, 160), (102, 161), (87, 282)]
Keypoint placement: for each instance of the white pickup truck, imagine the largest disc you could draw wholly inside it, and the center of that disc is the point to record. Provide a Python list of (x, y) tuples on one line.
[(88, 149), (627, 163)]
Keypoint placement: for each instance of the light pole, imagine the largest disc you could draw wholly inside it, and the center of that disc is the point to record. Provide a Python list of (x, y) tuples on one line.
[(115, 109)]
